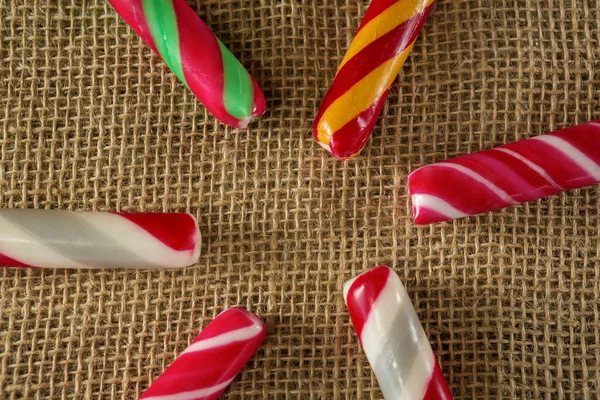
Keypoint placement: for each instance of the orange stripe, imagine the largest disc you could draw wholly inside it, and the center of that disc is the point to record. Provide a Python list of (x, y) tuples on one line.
[(383, 23), (376, 8), (360, 96)]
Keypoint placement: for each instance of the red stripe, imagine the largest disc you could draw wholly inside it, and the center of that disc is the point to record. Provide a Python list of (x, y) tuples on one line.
[(260, 104), (437, 388), (375, 9), (352, 137), (133, 14), (202, 61), (6, 261), (177, 230), (372, 56), (363, 293)]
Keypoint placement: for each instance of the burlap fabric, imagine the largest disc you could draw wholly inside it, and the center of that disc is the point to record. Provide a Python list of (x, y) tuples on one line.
[(92, 120)]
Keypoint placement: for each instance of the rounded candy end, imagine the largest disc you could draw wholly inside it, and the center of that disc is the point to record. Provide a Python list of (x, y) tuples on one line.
[(244, 122)]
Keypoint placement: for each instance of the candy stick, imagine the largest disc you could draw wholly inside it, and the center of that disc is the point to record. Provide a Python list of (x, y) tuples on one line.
[(64, 239), (393, 338), (196, 57), (376, 55), (507, 175), (212, 360)]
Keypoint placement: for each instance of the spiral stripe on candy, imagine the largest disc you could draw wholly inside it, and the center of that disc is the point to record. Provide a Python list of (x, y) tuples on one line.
[(213, 359), (376, 55), (64, 239), (196, 57), (392, 337), (511, 174)]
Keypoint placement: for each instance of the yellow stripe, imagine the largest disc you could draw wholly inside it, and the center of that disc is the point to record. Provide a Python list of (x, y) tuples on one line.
[(360, 96), (400, 12)]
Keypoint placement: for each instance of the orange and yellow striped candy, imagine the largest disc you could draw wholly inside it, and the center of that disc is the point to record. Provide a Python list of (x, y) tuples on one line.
[(361, 85)]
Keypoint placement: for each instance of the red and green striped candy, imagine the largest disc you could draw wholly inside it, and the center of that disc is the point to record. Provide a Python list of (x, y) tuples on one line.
[(176, 33)]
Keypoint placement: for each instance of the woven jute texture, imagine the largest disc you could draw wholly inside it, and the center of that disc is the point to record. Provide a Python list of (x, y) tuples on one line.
[(92, 120)]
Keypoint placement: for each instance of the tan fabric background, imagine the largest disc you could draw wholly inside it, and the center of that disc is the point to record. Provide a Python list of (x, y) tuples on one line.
[(90, 119)]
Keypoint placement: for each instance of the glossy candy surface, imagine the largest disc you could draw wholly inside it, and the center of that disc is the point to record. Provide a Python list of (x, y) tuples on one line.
[(178, 35), (359, 90), (65, 239), (392, 337), (507, 175), (209, 364)]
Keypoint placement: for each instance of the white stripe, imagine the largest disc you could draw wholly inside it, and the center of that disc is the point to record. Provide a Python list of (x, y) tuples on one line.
[(420, 373), (436, 204), (192, 395), (347, 285), (244, 122), (474, 175), (573, 153), (237, 335), (325, 146), (531, 165), (137, 240), (18, 244), (416, 384)]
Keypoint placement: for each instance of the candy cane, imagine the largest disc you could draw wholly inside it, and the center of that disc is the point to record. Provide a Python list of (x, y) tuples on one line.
[(212, 360), (376, 55), (507, 175), (63, 239), (392, 337), (174, 31)]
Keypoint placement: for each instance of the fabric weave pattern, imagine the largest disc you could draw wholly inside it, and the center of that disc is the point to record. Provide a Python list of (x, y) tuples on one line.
[(92, 120)]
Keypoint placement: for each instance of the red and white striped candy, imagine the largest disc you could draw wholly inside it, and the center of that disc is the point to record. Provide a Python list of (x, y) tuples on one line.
[(212, 360), (392, 336), (64, 239), (507, 175)]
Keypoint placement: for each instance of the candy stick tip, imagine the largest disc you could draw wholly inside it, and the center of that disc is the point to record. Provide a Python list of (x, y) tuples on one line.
[(197, 248)]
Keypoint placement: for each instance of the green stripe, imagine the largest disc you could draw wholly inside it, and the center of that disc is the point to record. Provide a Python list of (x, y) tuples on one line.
[(162, 22), (238, 91)]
